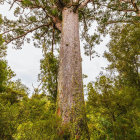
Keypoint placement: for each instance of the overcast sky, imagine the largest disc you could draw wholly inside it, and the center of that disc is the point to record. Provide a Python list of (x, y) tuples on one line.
[(26, 62)]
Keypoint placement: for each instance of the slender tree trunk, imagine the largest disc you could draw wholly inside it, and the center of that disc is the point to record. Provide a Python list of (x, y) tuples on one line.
[(70, 98)]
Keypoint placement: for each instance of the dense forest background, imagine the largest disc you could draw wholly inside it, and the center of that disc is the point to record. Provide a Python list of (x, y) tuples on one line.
[(112, 104)]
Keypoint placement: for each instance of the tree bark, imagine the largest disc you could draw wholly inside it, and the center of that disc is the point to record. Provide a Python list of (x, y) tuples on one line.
[(70, 98)]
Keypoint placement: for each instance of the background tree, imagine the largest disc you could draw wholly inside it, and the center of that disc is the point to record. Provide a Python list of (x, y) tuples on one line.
[(124, 49), (10, 95), (48, 75), (113, 102)]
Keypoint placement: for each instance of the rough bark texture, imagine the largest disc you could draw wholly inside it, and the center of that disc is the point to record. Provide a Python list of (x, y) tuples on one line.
[(71, 105)]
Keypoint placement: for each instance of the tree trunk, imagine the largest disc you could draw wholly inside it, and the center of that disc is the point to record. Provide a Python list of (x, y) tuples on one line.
[(70, 100)]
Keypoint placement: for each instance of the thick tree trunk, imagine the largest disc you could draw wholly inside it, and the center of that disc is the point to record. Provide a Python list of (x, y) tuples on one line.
[(70, 98)]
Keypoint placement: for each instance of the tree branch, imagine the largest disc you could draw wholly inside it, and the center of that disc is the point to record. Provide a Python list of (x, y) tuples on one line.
[(56, 21), (134, 4), (12, 4), (136, 7), (84, 3), (119, 21), (9, 41)]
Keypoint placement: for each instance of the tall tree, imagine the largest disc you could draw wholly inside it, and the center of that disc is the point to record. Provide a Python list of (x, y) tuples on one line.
[(59, 19)]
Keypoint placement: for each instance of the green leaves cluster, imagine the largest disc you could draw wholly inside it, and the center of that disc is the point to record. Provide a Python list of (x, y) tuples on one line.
[(113, 113)]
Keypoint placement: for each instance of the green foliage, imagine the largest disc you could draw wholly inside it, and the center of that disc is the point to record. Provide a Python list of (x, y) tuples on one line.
[(26, 2), (38, 119), (3, 74), (113, 102), (24, 118), (124, 52), (112, 112), (8, 120), (1, 20), (48, 75), (29, 118), (2, 51), (11, 94), (1, 40)]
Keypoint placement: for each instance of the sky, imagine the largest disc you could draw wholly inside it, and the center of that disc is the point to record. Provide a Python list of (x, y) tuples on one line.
[(26, 62)]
